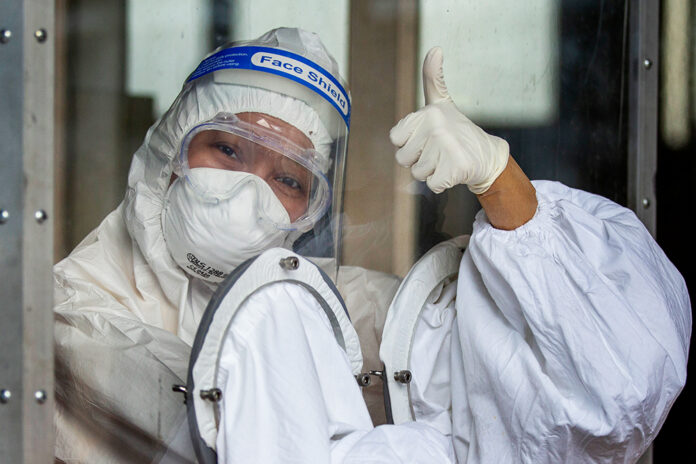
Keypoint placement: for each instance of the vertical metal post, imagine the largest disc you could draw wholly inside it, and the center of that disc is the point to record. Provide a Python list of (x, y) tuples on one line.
[(37, 246), (643, 66), (643, 94), (26, 232), (11, 226)]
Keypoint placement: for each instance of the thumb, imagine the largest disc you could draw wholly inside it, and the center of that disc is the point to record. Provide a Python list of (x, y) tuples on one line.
[(434, 85)]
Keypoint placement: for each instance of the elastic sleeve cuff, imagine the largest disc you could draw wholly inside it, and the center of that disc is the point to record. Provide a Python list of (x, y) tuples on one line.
[(542, 220)]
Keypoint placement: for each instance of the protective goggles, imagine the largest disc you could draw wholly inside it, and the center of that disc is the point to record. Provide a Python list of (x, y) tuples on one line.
[(267, 147)]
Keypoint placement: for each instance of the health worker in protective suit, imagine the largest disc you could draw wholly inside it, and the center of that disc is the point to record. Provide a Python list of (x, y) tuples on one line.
[(557, 332)]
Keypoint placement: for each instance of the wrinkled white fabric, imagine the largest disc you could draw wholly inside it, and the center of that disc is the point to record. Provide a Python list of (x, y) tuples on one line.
[(116, 354), (209, 240), (571, 331), (123, 272), (108, 281), (570, 339), (420, 316), (431, 366), (569, 344), (441, 145), (289, 394)]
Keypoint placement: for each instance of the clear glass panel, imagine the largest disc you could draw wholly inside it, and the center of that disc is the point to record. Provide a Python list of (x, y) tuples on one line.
[(251, 18), (549, 77), (121, 66), (165, 41), (501, 58)]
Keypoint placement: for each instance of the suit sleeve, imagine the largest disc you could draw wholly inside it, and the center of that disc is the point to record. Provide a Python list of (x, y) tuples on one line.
[(574, 333)]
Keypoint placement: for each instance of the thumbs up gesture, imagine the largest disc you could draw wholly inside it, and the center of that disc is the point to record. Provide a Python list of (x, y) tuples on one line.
[(441, 145)]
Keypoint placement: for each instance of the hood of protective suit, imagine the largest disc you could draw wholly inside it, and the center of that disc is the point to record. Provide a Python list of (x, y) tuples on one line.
[(152, 168)]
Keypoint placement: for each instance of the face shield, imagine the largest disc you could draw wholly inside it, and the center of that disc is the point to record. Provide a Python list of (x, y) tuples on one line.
[(287, 124)]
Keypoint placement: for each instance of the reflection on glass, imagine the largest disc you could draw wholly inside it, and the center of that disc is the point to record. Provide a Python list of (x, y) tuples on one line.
[(251, 18), (565, 123), (165, 40), (501, 57)]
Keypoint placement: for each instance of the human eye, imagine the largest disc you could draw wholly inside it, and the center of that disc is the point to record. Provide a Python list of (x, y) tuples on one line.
[(290, 183), (227, 150)]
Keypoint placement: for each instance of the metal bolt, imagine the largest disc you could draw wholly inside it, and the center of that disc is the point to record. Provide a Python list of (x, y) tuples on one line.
[(363, 379), (290, 263), (40, 396), (180, 389), (214, 395), (5, 35), (379, 374), (4, 216), (41, 35), (40, 216), (647, 63), (5, 396), (403, 376), (646, 202)]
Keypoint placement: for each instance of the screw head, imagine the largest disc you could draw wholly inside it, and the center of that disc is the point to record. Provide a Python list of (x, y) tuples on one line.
[(647, 63), (214, 395), (41, 35), (40, 216), (4, 216), (363, 379), (40, 396), (5, 396), (646, 202), (403, 376), (290, 263), (5, 35)]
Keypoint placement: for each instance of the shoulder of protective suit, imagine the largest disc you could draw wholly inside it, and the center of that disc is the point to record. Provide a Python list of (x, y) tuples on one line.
[(95, 263)]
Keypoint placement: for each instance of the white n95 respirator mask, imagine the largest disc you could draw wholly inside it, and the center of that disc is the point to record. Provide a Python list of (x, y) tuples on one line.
[(210, 239)]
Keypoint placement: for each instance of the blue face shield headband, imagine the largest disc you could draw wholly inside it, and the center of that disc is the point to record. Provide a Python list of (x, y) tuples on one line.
[(284, 64)]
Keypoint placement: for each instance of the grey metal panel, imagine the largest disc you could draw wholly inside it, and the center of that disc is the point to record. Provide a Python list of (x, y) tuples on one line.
[(642, 120), (11, 104), (26, 186), (37, 246)]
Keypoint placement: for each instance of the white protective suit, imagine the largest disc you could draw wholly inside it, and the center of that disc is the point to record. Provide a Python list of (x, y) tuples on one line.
[(126, 313), (566, 342)]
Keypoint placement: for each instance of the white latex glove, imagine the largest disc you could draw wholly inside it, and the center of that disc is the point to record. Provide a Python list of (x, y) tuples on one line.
[(441, 145)]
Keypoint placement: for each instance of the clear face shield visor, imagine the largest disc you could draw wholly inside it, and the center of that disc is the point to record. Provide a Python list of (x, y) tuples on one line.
[(293, 146), (270, 149)]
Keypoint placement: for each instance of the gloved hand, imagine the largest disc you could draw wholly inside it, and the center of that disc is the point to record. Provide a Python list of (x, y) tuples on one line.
[(441, 145)]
